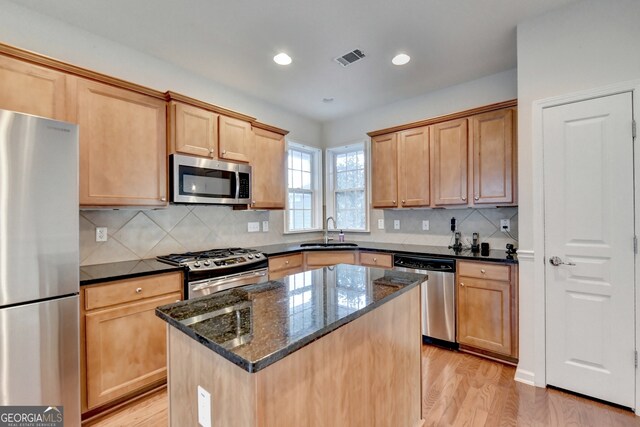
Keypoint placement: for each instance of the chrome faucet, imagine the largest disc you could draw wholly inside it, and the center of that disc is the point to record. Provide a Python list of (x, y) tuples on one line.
[(326, 229)]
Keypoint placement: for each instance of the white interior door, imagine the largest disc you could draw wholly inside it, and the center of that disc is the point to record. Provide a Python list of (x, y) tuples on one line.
[(589, 227)]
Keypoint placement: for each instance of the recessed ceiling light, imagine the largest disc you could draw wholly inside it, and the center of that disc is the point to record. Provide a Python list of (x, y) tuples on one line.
[(401, 59), (327, 100), (282, 59)]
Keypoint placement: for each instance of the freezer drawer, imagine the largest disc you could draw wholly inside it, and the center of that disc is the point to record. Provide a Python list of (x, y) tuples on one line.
[(39, 363)]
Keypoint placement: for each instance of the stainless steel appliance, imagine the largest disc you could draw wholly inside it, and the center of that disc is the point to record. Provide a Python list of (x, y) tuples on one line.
[(208, 181), (217, 270), (438, 296), (39, 272)]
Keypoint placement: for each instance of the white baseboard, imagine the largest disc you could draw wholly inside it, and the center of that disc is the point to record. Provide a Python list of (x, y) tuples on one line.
[(525, 377)]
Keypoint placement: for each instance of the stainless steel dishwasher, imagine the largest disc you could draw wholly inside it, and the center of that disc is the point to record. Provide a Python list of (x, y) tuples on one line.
[(438, 296)]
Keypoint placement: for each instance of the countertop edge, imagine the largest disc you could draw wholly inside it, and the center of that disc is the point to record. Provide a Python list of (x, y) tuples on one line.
[(253, 367), (131, 275)]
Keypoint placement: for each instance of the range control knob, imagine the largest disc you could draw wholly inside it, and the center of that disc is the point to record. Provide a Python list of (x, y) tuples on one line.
[(196, 264), (250, 256), (258, 255), (207, 263)]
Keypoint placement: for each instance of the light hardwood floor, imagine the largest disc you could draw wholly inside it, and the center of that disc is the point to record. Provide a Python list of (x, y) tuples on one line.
[(458, 390)]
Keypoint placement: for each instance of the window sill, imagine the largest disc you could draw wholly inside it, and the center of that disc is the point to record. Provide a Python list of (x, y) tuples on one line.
[(315, 230)]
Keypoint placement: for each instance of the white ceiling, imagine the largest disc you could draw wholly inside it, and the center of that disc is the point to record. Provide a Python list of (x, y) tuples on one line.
[(233, 42)]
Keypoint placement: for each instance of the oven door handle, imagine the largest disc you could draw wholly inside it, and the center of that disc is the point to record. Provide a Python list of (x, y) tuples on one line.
[(227, 281)]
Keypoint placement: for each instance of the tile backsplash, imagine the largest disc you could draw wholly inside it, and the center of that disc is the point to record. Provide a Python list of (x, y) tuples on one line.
[(139, 234)]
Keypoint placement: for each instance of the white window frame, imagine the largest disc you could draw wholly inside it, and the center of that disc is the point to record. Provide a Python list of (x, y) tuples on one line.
[(316, 188), (330, 180)]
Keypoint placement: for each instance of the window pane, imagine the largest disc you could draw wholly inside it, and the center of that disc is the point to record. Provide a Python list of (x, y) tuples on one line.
[(307, 201), (290, 181), (297, 162), (341, 162), (291, 223), (306, 162), (290, 159), (359, 179), (306, 180), (291, 197), (307, 218), (298, 221), (360, 159), (297, 179)]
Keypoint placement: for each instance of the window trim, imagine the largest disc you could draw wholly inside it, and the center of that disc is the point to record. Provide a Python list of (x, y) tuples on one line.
[(316, 187), (330, 194)]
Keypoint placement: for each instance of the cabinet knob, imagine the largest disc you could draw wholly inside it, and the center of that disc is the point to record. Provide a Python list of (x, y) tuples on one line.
[(393, 202), (464, 198), (163, 199), (138, 290), (403, 202), (375, 260), (482, 271), (286, 262), (224, 151), (476, 198), (211, 150), (462, 284)]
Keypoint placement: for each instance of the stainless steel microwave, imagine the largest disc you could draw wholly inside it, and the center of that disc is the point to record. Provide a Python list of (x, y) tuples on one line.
[(209, 181)]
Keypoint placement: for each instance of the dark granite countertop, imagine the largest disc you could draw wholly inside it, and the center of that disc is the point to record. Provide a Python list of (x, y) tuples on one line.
[(257, 325), (495, 255), (92, 274)]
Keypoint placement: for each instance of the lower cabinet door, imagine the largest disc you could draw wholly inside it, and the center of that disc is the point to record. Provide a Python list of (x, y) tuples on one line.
[(126, 349), (484, 314)]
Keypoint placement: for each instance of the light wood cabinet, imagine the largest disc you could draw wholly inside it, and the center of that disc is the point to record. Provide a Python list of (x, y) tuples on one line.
[(494, 160), (325, 258), (449, 148), (32, 89), (192, 130), (384, 167), (123, 159), (123, 342), (268, 170), (235, 139), (374, 259), (487, 308), (413, 167), (285, 265)]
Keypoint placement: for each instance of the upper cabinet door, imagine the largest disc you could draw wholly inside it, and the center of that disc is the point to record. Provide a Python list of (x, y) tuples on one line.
[(235, 139), (193, 130), (449, 161), (268, 170), (384, 171), (492, 142), (413, 167), (123, 155), (31, 89)]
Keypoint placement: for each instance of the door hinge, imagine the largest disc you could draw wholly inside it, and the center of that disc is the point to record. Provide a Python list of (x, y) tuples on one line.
[(635, 245)]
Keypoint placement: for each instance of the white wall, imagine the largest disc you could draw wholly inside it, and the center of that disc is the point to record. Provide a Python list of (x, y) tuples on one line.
[(26, 29), (584, 45), (487, 90)]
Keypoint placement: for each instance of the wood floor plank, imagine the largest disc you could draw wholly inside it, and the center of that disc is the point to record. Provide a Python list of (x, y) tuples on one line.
[(458, 390)]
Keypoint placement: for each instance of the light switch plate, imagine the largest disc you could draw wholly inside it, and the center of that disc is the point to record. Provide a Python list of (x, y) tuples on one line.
[(253, 227), (505, 225), (381, 224), (396, 224), (204, 407), (265, 226), (101, 234), (425, 225)]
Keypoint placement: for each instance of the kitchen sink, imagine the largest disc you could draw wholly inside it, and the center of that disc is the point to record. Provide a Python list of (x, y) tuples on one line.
[(328, 245)]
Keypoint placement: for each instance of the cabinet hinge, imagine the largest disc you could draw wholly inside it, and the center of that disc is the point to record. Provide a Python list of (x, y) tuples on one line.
[(635, 245), (636, 359), (633, 129)]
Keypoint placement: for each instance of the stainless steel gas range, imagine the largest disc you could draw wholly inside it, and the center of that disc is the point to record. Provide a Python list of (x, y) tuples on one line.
[(217, 270)]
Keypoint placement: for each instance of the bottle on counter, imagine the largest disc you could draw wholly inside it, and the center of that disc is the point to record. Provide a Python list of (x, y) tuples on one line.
[(341, 236)]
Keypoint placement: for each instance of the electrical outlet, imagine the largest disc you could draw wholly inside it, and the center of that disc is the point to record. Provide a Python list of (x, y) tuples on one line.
[(505, 225), (425, 225), (101, 234), (396, 224), (204, 407), (253, 227), (381, 224), (265, 226)]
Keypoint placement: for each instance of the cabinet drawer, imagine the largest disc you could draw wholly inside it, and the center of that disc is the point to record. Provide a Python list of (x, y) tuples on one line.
[(373, 259), (484, 270), (131, 290), (285, 262), (320, 259)]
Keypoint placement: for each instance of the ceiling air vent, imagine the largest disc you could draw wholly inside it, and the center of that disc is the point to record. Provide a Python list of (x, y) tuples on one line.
[(350, 57)]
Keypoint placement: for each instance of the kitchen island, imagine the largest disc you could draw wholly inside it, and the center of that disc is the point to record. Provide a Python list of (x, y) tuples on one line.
[(337, 346)]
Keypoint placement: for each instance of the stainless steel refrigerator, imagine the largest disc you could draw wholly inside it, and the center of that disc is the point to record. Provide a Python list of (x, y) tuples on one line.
[(39, 257)]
